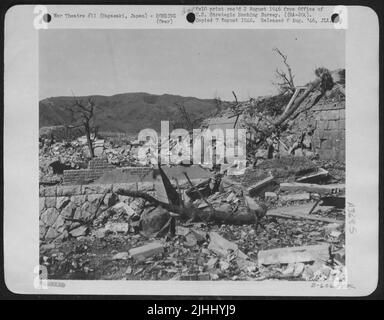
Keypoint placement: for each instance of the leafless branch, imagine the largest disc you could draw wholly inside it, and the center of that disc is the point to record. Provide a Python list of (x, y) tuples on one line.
[(287, 80)]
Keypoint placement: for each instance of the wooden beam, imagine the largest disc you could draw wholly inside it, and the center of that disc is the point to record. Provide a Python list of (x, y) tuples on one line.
[(310, 187)]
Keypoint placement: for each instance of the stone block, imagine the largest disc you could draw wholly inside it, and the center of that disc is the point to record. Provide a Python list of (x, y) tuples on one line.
[(50, 202), (314, 188), (68, 211), (49, 216), (78, 200), (146, 251), (145, 186), (62, 202), (50, 191), (59, 224), (96, 188), (51, 234), (124, 186), (41, 204), (69, 190), (295, 197)]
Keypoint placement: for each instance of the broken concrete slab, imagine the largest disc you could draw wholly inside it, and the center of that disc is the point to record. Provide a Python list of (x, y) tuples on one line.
[(121, 256), (294, 254), (259, 185), (299, 212), (316, 188), (295, 197), (147, 250), (99, 233), (223, 247)]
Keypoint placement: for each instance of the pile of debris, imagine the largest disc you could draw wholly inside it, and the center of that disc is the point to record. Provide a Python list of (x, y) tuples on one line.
[(122, 156), (55, 157)]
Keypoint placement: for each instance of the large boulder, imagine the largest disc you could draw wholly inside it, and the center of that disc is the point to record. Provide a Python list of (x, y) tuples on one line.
[(153, 219)]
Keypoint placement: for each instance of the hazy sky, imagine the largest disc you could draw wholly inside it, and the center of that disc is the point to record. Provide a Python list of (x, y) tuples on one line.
[(199, 63)]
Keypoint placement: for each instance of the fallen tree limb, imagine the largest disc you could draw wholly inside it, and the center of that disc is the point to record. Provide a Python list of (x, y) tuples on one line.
[(296, 104), (296, 215)]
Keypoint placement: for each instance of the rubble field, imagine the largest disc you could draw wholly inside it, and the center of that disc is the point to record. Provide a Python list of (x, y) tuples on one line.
[(211, 250), (93, 258), (282, 217)]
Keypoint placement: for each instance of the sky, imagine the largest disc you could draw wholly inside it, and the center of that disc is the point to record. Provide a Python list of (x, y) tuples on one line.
[(198, 63)]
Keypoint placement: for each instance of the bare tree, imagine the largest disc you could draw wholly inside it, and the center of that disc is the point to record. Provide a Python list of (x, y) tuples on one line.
[(285, 78), (218, 104), (83, 114)]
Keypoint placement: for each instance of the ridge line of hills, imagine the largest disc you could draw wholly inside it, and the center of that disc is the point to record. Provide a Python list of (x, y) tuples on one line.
[(127, 112)]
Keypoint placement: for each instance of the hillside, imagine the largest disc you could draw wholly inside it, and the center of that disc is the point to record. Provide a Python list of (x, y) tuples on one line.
[(128, 112)]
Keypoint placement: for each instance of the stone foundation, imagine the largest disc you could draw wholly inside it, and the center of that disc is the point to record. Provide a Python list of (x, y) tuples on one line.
[(329, 137), (61, 206)]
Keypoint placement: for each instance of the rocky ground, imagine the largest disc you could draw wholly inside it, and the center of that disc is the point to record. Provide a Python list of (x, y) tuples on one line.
[(104, 253)]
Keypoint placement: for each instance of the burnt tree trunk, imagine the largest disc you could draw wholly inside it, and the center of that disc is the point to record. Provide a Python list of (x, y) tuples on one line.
[(298, 102), (89, 140)]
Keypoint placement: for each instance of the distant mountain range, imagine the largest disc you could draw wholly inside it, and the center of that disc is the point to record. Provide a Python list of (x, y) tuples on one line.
[(128, 112)]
